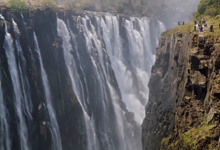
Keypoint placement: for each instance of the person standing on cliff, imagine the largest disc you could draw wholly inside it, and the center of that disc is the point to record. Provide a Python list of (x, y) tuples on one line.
[(195, 21), (197, 27)]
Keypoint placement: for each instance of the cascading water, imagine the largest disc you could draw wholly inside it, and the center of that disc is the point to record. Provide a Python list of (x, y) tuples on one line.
[(4, 130), (22, 127), (54, 127), (22, 67), (132, 73), (121, 124), (132, 76), (76, 83), (27, 38), (5, 142), (104, 60)]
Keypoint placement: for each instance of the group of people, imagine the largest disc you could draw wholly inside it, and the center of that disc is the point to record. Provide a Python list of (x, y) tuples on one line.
[(198, 27)]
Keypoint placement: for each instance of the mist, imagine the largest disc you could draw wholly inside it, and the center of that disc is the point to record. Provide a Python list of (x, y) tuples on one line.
[(170, 12), (178, 11)]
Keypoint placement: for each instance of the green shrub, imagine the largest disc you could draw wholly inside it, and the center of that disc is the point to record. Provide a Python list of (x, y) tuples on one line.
[(165, 141), (211, 12), (17, 5), (209, 7), (197, 15)]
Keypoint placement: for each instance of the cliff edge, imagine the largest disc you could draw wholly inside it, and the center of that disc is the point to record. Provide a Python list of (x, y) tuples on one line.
[(183, 108)]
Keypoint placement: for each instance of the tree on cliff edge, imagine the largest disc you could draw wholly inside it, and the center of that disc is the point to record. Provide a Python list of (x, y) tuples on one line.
[(17, 5)]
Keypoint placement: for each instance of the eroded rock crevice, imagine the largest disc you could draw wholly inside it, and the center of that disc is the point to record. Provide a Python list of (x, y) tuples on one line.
[(184, 97)]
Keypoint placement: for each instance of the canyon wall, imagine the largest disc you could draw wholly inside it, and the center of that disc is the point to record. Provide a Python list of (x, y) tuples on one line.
[(183, 107), (74, 80)]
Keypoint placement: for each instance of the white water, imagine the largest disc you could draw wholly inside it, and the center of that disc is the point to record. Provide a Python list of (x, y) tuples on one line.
[(18, 98), (129, 59), (5, 142), (27, 38), (54, 127), (76, 83), (132, 74), (22, 67), (132, 66), (121, 125), (162, 28)]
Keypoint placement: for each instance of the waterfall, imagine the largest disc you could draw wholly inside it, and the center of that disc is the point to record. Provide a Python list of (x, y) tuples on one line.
[(121, 125), (76, 83), (27, 38), (103, 61), (54, 127), (132, 78), (10, 53), (131, 66), (22, 67), (161, 27), (5, 142)]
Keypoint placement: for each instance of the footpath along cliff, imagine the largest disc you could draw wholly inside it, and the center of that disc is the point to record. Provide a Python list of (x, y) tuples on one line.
[(183, 109)]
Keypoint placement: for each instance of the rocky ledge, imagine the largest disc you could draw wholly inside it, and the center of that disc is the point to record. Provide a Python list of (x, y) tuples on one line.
[(183, 108)]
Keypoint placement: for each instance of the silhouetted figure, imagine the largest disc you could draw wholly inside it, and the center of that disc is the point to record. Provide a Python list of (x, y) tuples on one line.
[(178, 23), (211, 28), (195, 21), (183, 22)]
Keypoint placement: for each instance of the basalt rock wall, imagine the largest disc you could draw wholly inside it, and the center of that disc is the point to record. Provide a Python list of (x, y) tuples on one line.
[(168, 74), (183, 101), (64, 79), (43, 23)]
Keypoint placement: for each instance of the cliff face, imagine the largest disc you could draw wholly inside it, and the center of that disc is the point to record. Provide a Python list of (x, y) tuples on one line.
[(183, 107), (43, 23), (64, 79)]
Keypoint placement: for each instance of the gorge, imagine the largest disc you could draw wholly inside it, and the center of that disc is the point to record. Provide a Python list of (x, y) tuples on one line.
[(74, 81)]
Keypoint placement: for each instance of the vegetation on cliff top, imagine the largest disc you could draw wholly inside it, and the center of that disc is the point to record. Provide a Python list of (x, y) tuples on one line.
[(130, 7), (207, 7), (17, 5), (209, 11), (156, 8)]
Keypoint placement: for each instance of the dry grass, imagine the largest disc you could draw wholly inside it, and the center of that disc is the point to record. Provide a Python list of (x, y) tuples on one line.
[(215, 22), (179, 29)]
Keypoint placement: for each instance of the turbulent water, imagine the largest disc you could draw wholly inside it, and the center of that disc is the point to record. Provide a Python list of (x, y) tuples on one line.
[(109, 78)]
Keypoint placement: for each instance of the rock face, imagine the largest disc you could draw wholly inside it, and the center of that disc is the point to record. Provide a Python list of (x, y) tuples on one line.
[(184, 94), (43, 23), (63, 78)]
